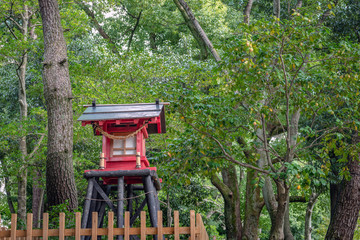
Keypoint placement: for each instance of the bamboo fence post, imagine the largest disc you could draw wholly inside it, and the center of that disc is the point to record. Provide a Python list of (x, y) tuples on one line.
[(160, 225), (192, 225), (77, 226), (110, 225), (143, 225), (13, 226), (127, 226), (176, 225), (29, 226), (94, 226), (45, 226)]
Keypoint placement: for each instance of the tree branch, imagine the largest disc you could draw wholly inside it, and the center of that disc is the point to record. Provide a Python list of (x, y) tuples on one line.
[(227, 156), (266, 144), (16, 23), (11, 31), (326, 14), (224, 190), (37, 146), (99, 28), (133, 30), (194, 25)]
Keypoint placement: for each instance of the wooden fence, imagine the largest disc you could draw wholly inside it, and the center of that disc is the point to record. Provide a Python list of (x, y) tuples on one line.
[(196, 230)]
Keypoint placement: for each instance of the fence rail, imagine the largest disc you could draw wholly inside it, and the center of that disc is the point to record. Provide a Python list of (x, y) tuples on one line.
[(196, 230)]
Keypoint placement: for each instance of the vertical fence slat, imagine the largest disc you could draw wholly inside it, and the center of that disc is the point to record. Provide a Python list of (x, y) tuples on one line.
[(77, 225), (200, 223), (160, 225), (13, 226), (143, 225), (110, 225), (127, 226), (29, 226), (94, 226), (192, 225), (45, 226), (176, 225), (61, 226)]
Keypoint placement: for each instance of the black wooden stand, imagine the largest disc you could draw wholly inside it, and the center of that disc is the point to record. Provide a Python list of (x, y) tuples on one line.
[(98, 197)]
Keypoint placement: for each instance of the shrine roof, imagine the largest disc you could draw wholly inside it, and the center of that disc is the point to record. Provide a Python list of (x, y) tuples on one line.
[(122, 111)]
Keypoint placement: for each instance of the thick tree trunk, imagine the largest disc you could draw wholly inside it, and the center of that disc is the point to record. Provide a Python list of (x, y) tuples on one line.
[(313, 199), (277, 228), (345, 210), (253, 206), (232, 204), (196, 30), (60, 183), (229, 189)]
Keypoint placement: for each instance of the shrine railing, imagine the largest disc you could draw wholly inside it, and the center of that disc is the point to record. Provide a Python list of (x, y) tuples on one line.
[(196, 230)]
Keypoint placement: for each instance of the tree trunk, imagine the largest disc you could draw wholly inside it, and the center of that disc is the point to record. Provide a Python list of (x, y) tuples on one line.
[(277, 228), (253, 206), (291, 142), (298, 4), (276, 8), (152, 37), (229, 189), (313, 199), (345, 211), (38, 197), (21, 72), (196, 30), (247, 11), (287, 227), (60, 182), (8, 195), (267, 190)]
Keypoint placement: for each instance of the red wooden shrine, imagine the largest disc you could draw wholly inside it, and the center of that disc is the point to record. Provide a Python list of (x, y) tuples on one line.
[(124, 129)]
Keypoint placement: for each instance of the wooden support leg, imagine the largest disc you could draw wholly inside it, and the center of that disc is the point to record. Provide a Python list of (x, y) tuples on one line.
[(120, 208), (86, 212), (129, 195), (102, 208), (151, 202), (137, 212), (104, 196), (93, 203), (87, 204), (157, 202)]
